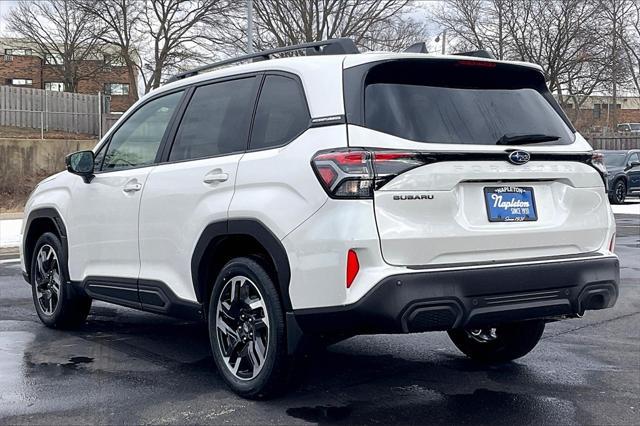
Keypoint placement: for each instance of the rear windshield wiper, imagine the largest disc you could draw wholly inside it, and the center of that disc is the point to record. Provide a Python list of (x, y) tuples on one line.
[(525, 139)]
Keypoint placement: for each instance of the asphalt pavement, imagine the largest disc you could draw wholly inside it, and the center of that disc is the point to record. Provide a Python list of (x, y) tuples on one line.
[(126, 366)]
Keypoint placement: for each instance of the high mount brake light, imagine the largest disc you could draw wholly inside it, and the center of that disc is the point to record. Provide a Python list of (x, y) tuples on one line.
[(355, 173), (478, 64)]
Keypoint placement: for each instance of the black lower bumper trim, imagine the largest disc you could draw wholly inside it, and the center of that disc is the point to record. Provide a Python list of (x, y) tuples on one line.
[(444, 300)]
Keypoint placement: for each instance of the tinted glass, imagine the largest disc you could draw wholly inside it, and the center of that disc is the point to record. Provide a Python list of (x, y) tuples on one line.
[(615, 159), (281, 115), (634, 158), (216, 120), (136, 142), (457, 103)]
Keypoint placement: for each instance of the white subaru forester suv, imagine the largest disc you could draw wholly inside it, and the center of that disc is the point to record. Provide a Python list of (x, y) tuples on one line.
[(314, 198)]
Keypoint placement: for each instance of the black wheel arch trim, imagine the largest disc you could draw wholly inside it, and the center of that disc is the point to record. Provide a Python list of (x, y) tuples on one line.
[(242, 227), (44, 213)]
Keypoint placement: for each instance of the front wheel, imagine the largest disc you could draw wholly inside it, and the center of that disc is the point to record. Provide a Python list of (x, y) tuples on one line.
[(247, 330), (56, 302), (498, 344), (619, 192)]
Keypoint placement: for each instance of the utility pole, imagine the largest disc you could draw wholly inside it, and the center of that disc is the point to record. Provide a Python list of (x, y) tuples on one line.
[(249, 26), (444, 40)]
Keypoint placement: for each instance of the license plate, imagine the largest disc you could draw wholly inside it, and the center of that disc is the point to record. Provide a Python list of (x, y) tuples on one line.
[(510, 204)]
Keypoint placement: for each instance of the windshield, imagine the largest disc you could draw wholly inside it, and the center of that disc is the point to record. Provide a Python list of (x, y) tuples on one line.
[(614, 159), (460, 104)]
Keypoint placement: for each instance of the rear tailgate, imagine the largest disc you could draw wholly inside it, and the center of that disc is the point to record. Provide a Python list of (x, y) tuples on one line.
[(468, 202), (438, 213)]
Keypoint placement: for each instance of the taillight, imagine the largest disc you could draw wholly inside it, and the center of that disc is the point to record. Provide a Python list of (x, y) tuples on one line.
[(597, 162), (355, 173)]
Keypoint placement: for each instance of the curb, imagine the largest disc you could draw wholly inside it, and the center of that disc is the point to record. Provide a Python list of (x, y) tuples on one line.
[(9, 253), (11, 216)]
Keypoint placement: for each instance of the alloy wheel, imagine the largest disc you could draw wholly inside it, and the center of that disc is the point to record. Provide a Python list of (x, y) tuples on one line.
[(242, 327), (483, 335), (47, 279), (620, 191)]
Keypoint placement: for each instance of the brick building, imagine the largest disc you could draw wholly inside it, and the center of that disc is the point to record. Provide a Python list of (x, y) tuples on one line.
[(22, 66), (595, 112)]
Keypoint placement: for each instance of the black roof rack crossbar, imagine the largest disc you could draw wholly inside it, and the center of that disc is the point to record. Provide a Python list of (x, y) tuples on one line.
[(336, 46)]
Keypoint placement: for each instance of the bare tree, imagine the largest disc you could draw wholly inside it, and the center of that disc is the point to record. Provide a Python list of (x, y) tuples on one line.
[(119, 26), (561, 36), (615, 23), (631, 44), (372, 24), (175, 33), (475, 24), (62, 34)]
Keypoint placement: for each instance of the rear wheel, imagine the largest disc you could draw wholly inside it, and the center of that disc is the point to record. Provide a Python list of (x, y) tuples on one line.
[(498, 344), (247, 330), (56, 302), (619, 192)]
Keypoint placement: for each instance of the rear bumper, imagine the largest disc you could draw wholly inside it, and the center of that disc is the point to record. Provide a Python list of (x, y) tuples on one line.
[(472, 297)]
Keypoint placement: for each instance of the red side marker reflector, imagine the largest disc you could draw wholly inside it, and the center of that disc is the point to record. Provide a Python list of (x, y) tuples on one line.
[(353, 266), (612, 244)]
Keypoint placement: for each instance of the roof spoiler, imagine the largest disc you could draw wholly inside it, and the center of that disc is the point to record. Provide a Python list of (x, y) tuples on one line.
[(477, 53), (336, 46)]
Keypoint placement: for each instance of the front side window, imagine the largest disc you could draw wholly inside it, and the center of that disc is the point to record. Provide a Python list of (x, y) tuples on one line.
[(633, 158), (281, 114), (460, 102), (135, 143), (216, 121)]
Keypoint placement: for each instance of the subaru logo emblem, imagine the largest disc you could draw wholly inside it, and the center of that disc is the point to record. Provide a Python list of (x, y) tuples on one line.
[(519, 157)]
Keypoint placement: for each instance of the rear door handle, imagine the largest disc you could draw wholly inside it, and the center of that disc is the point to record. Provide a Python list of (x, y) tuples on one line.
[(132, 187), (215, 177)]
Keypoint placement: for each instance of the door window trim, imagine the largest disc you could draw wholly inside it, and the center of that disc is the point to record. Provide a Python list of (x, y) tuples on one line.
[(107, 142), (173, 130), (300, 86)]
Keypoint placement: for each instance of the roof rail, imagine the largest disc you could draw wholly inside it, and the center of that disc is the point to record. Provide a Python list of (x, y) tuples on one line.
[(335, 46), (477, 53)]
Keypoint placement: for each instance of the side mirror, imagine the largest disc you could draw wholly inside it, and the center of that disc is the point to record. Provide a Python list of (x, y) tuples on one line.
[(81, 163)]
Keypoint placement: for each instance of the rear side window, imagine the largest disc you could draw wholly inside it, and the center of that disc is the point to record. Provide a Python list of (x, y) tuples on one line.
[(281, 115), (460, 102), (216, 120)]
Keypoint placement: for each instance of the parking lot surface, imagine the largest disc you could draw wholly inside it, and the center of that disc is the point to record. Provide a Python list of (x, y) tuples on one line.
[(126, 366)]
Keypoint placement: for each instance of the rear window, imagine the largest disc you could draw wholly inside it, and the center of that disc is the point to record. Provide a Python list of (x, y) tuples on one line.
[(615, 159), (460, 102)]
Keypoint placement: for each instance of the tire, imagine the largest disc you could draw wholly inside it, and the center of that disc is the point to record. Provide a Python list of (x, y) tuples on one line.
[(57, 303), (506, 343), (619, 192), (238, 334)]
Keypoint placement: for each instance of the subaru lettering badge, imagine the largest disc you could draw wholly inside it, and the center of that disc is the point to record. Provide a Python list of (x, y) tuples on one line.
[(519, 157)]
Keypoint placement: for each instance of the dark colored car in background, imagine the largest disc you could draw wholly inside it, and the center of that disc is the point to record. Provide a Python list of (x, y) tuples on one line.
[(623, 169)]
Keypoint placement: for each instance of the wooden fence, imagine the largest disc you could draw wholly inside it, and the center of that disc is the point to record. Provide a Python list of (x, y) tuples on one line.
[(614, 141), (46, 110)]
